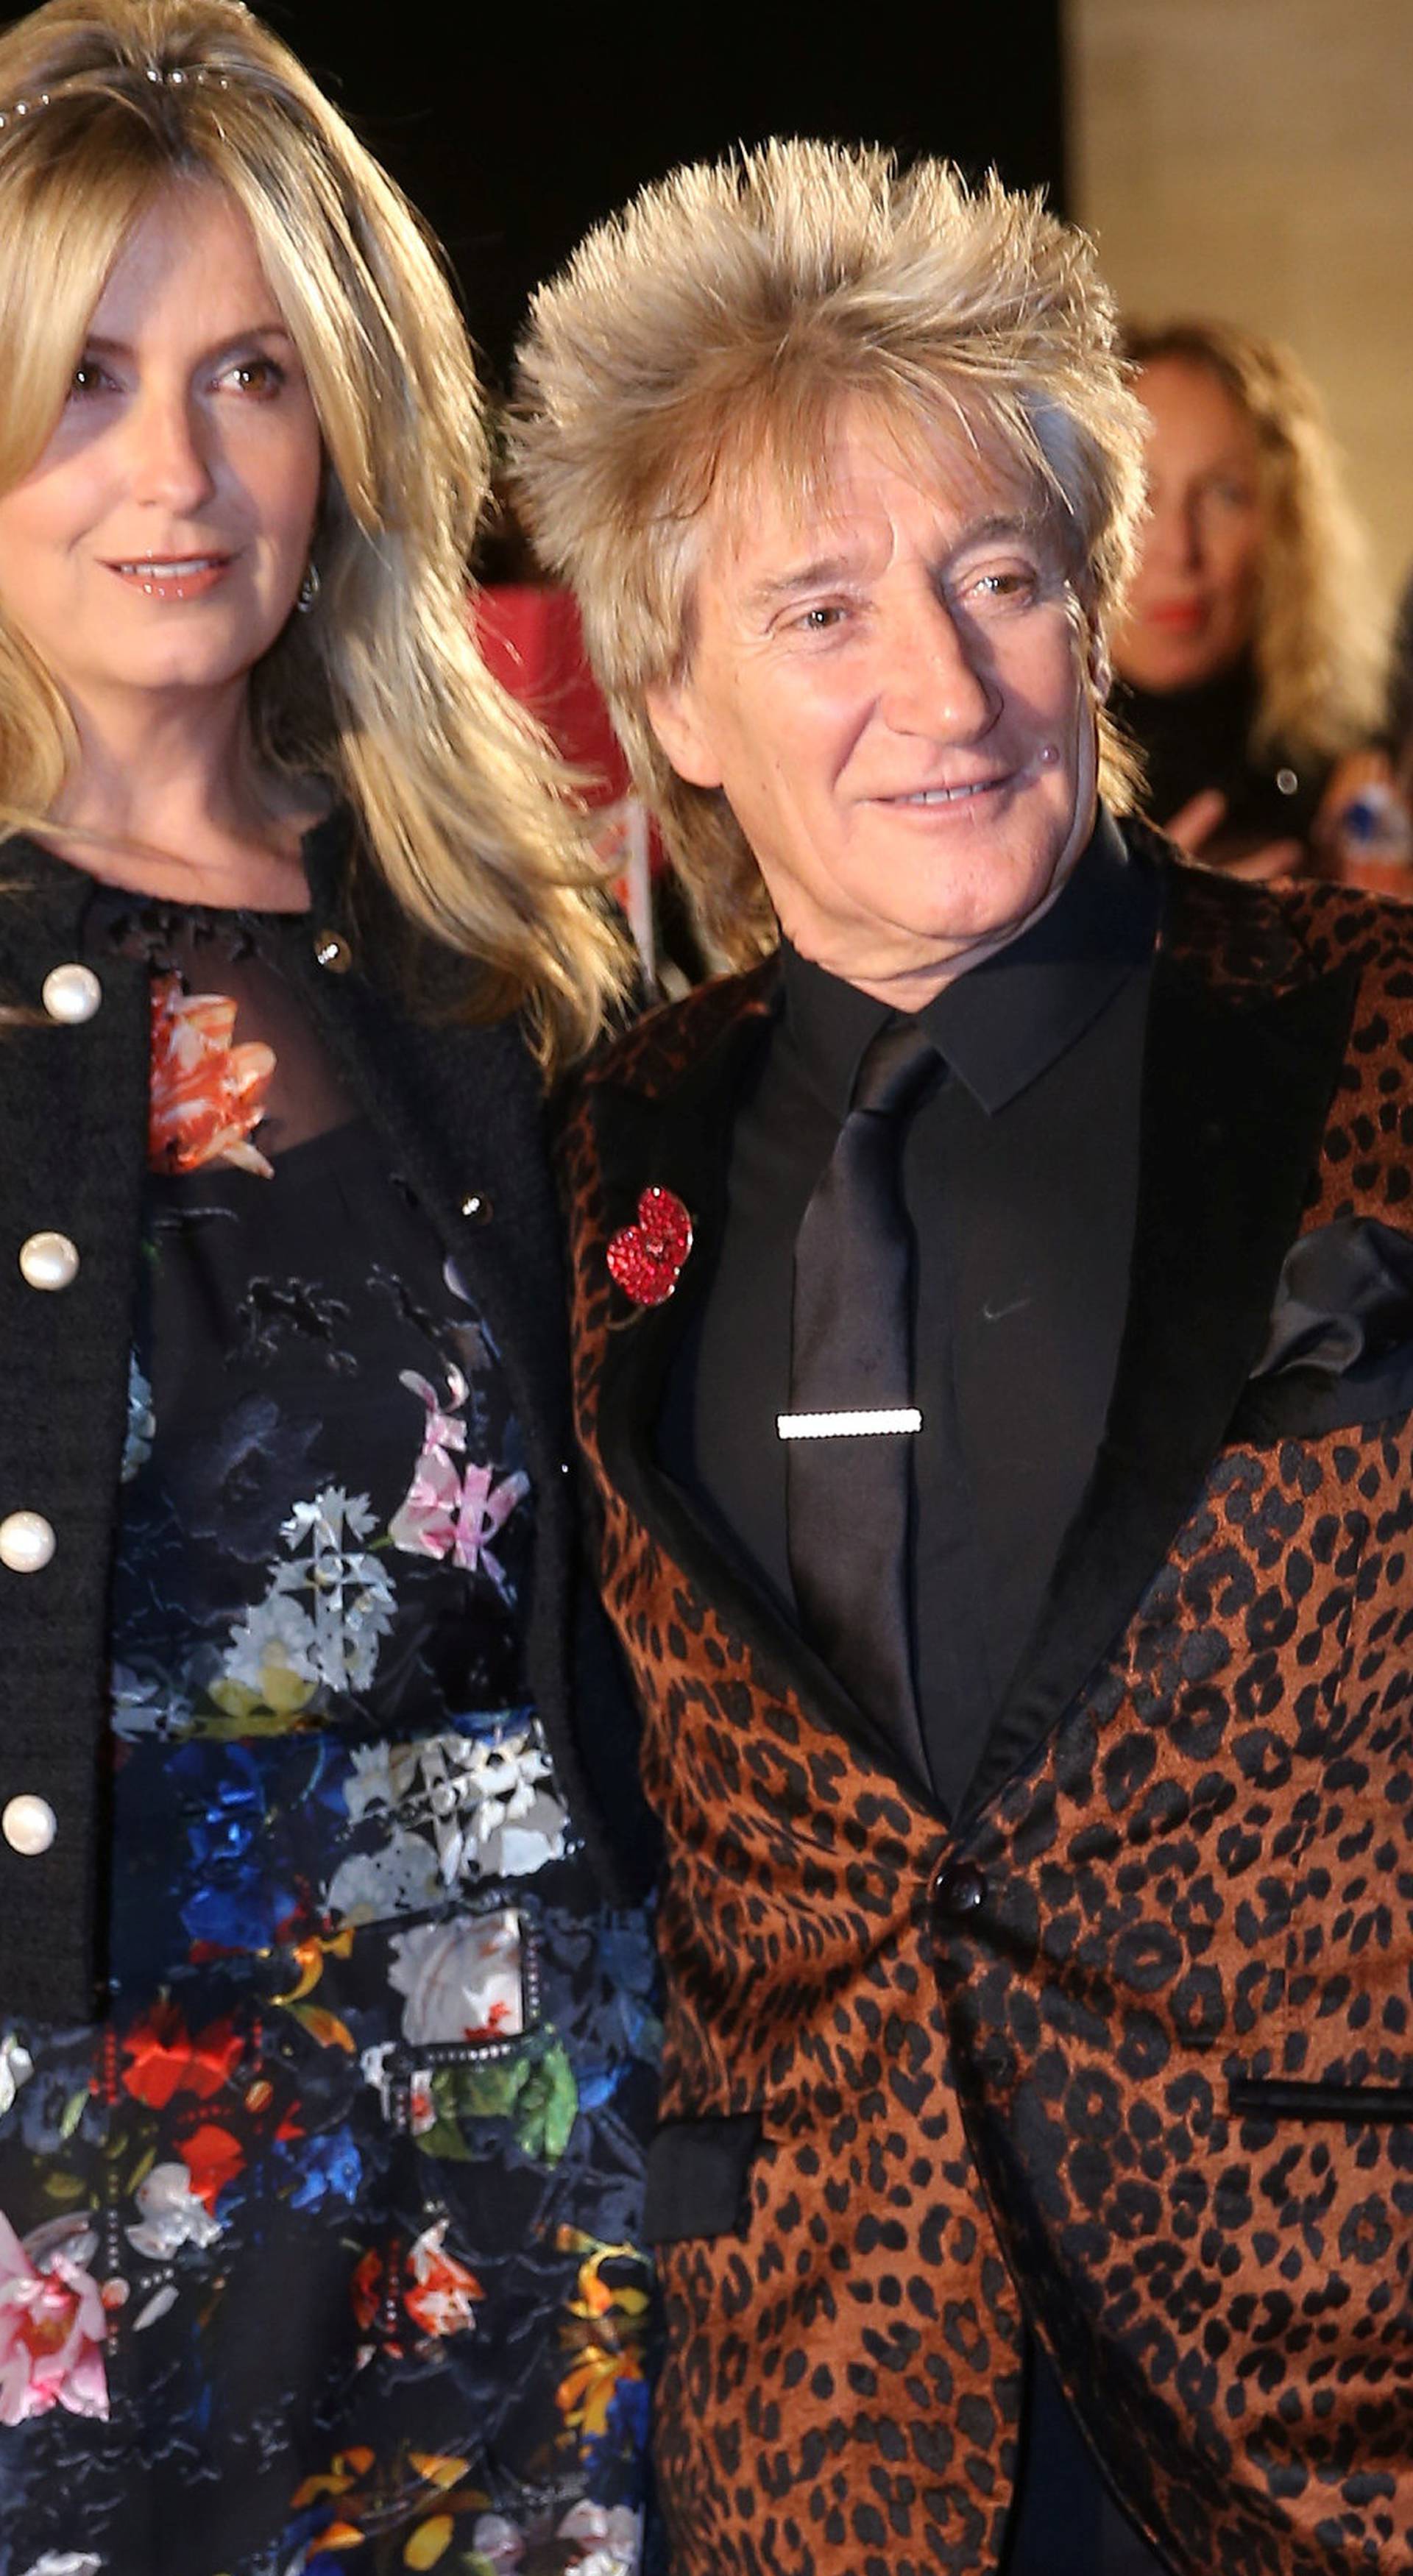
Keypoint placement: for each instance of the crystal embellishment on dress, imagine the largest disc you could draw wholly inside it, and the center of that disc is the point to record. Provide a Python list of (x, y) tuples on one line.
[(647, 1259)]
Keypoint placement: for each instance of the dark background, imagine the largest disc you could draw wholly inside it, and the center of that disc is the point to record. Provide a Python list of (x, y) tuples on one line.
[(513, 130)]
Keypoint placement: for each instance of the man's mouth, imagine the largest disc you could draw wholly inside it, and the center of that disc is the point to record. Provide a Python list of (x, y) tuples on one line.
[(946, 795)]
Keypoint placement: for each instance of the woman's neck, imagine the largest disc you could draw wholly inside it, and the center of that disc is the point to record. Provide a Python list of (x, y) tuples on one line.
[(170, 800)]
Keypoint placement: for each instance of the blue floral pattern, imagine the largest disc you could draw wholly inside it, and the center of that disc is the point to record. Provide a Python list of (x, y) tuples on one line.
[(321, 2253)]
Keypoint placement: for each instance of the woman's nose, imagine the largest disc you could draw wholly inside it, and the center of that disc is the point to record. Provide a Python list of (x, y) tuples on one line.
[(168, 461), (1172, 537)]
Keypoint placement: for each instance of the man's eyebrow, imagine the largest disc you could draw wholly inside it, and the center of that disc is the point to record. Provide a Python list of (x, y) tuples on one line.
[(816, 575), (823, 570), (999, 523)]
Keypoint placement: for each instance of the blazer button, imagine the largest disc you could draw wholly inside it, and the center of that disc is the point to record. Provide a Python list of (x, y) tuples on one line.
[(333, 952), (48, 1260), (477, 1208), (958, 1889), (71, 994), (26, 1542), (29, 1825)]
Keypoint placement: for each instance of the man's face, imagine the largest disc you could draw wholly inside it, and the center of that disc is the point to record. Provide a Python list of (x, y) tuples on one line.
[(889, 686)]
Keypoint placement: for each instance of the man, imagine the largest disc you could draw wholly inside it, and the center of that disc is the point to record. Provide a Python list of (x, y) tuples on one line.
[(995, 1322)]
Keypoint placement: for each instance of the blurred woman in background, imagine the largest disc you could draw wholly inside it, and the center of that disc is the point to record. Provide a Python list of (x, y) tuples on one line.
[(1248, 660), (324, 2067)]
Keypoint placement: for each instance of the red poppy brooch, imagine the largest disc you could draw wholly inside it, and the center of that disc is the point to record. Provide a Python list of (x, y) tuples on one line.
[(646, 1259)]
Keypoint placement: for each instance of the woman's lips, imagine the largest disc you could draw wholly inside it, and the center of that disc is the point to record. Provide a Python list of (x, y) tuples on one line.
[(1178, 616), (173, 577)]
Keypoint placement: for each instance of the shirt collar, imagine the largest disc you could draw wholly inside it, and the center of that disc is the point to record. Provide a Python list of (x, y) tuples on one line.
[(1007, 1019)]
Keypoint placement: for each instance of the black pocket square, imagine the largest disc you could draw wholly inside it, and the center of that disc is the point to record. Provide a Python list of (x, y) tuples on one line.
[(697, 2176), (1339, 1351)]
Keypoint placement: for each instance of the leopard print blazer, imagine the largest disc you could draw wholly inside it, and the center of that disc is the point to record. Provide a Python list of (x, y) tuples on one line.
[(1124, 2052)]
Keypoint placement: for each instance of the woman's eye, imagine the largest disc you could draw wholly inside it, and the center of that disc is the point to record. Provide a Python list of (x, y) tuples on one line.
[(262, 377), (88, 378)]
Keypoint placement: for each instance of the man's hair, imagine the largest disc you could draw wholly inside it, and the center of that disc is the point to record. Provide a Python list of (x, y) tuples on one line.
[(1317, 645), (104, 104), (711, 333)]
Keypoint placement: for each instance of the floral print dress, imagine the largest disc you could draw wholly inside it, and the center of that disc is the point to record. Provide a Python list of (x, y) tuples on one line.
[(318, 2257)]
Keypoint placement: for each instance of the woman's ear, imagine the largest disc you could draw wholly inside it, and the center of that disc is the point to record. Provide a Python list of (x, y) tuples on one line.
[(682, 730)]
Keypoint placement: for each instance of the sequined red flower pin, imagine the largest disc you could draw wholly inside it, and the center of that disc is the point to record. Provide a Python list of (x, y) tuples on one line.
[(646, 1259)]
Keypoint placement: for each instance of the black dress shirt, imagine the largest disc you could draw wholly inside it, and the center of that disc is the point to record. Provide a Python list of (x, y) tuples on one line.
[(1020, 1176)]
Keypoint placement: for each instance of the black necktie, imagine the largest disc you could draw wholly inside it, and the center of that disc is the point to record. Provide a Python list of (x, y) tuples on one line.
[(847, 1487)]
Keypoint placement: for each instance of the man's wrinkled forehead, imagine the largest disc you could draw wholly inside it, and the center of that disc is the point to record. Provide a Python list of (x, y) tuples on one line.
[(805, 499)]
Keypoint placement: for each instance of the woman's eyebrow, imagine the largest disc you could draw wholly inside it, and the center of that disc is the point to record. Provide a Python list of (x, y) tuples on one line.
[(102, 345)]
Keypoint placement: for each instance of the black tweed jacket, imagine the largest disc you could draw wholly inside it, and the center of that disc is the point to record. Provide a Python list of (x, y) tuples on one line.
[(461, 1108)]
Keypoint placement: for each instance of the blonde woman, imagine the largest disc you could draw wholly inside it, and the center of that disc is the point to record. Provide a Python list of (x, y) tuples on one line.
[(1247, 656), (322, 2064)]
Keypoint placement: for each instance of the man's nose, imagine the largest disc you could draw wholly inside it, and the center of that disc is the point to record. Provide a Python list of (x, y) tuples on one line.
[(169, 464), (937, 682)]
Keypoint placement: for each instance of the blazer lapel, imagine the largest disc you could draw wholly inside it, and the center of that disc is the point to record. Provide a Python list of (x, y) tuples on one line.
[(679, 1140), (1236, 1094)]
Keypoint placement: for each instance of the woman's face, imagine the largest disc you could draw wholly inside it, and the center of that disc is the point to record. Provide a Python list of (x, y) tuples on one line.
[(159, 543), (1191, 610)]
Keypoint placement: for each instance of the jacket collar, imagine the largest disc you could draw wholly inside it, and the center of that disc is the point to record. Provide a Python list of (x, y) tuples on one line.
[(1244, 1044)]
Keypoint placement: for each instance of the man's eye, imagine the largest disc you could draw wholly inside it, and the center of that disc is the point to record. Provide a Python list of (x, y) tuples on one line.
[(818, 620), (1004, 585)]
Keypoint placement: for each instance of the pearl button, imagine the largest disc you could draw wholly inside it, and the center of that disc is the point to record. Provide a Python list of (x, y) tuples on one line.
[(333, 952), (49, 1260), (26, 1542), (71, 993), (1287, 781), (28, 1825)]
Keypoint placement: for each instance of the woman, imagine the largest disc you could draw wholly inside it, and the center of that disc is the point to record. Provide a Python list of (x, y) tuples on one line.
[(322, 2068), (1247, 659)]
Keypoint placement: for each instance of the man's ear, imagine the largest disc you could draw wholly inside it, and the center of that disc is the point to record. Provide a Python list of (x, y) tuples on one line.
[(672, 711)]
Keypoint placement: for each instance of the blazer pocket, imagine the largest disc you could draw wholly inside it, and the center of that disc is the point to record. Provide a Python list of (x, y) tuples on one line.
[(1305, 1404), (697, 2175), (1274, 2098), (1339, 1347)]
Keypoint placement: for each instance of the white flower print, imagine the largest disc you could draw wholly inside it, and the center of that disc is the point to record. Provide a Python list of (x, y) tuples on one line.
[(171, 2214), (325, 1611), (462, 1980), (16, 2068), (487, 1803)]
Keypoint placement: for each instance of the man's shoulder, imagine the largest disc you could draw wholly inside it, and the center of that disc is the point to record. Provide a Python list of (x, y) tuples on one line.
[(682, 1038), (1252, 941)]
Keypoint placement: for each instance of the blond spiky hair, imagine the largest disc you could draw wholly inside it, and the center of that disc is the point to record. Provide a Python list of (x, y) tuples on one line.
[(712, 331)]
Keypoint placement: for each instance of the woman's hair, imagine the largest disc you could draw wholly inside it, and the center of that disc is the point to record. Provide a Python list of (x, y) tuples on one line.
[(1318, 645), (461, 803), (713, 331)]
